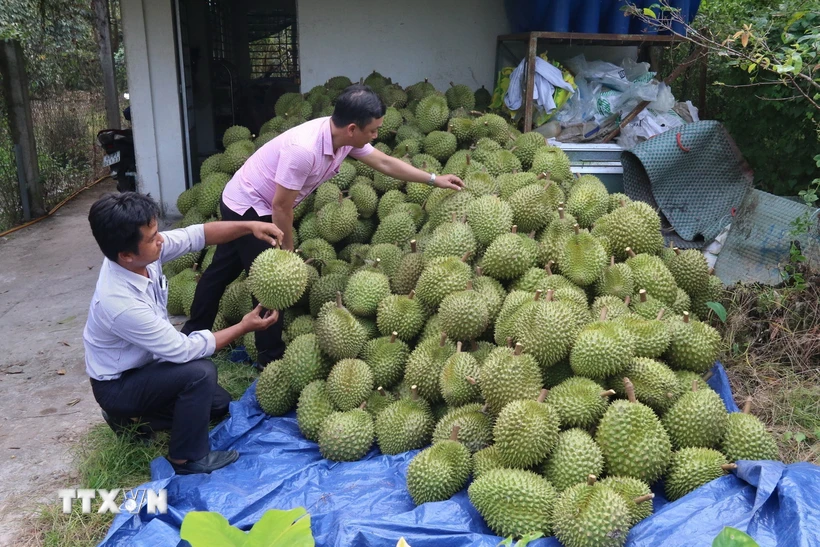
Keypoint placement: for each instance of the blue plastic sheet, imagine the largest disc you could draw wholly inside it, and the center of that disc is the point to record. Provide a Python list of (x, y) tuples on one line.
[(366, 504)]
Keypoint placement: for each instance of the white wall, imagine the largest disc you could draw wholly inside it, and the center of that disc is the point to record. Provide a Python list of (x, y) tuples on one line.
[(153, 84), (406, 40)]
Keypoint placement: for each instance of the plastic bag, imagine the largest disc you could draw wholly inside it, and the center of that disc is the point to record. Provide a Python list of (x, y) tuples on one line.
[(646, 125), (600, 72), (664, 101), (633, 69)]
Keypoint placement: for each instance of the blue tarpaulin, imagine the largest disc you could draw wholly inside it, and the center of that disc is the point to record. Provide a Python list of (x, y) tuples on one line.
[(366, 504)]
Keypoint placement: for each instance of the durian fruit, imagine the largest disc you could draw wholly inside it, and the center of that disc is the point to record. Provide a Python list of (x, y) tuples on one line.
[(548, 329), (635, 493), (483, 98), (438, 472), (365, 198), (398, 229), (378, 400), (647, 306), (526, 145), (583, 258), (388, 256), (235, 303), (464, 314), (656, 385), (491, 290), (690, 270), (407, 273), (553, 238), (746, 437), (712, 292), (615, 280), (691, 468), (687, 377), (277, 278), (556, 374), (344, 178), (507, 257), (210, 192), (403, 315), (235, 156), (405, 425), (312, 409), (386, 357), (349, 383), (489, 217), (651, 274), (588, 200), (391, 122), (486, 459), (574, 458), (346, 436), (697, 419), (440, 277), (425, 364), (235, 133), (210, 165), (533, 204), (635, 225), (458, 379), (682, 302), (250, 344), (615, 307), (693, 345), (304, 362), (187, 199), (317, 249), (494, 127), (555, 162), (450, 239), (651, 336), (475, 427), (481, 350), (525, 432), (273, 391), (462, 128), (365, 290), (460, 96), (617, 200), (501, 161), (505, 321), (513, 502), (324, 290), (580, 402), (633, 441), (443, 202), (325, 193), (591, 514), (440, 144), (340, 335), (507, 375), (432, 113)]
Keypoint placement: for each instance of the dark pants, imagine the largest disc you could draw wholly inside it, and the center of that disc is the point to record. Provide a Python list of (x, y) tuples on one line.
[(180, 397), (228, 262)]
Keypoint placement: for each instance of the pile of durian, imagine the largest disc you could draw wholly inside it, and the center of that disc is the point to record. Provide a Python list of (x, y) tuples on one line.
[(530, 331)]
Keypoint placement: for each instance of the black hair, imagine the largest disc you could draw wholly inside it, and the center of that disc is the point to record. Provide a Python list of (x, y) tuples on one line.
[(116, 220), (357, 104)]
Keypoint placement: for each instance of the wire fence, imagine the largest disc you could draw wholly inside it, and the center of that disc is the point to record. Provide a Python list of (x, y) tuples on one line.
[(69, 157)]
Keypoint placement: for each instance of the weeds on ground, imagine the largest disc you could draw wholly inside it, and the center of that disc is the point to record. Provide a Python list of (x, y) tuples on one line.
[(773, 355), (104, 460)]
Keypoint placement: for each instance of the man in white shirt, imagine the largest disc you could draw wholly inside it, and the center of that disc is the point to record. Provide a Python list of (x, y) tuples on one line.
[(142, 368)]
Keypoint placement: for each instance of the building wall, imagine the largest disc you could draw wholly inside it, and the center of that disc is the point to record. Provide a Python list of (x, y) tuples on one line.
[(442, 40), (153, 84)]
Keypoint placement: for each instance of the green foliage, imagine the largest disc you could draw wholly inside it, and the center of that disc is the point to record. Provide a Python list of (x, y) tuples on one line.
[(719, 310), (523, 542), (275, 529), (732, 537)]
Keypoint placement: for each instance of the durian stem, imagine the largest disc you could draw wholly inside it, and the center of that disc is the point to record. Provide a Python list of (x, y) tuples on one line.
[(458, 347), (550, 294), (309, 260), (630, 252), (471, 380), (576, 228), (413, 248), (642, 294), (542, 395), (412, 294), (470, 285), (442, 340), (747, 406), (338, 299), (341, 198), (561, 213), (393, 336), (363, 405), (707, 376), (644, 498), (607, 393), (514, 229), (686, 317), (509, 342), (612, 260), (630, 390), (670, 395), (660, 314), (381, 391), (538, 294), (518, 348), (729, 466), (454, 432), (531, 234), (591, 480), (467, 156), (378, 261), (603, 314), (628, 300), (414, 392), (466, 256), (711, 271), (195, 266), (548, 267), (542, 175), (478, 271), (453, 216), (622, 203), (694, 385), (677, 251), (473, 345)]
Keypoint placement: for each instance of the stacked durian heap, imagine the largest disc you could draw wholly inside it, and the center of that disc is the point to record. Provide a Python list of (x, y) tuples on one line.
[(530, 331)]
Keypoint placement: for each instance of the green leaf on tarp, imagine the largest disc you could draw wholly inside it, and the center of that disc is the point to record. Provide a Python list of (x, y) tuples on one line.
[(732, 537), (282, 529), (719, 310), (206, 528)]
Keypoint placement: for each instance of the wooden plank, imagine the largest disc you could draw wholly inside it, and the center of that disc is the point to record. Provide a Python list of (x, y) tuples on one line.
[(590, 39), (102, 22), (530, 87)]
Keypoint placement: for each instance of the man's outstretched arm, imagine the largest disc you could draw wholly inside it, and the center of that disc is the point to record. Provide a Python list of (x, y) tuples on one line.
[(224, 231)]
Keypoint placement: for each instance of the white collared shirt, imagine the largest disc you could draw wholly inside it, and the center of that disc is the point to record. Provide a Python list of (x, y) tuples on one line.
[(128, 324)]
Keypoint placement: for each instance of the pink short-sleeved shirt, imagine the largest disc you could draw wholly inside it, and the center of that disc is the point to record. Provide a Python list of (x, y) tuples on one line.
[(299, 159)]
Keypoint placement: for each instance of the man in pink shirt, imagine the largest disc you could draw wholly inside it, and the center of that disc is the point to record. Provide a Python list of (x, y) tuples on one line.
[(281, 174)]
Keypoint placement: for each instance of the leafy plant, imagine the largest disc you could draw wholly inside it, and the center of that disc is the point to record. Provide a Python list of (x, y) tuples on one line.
[(732, 537), (524, 541), (275, 529)]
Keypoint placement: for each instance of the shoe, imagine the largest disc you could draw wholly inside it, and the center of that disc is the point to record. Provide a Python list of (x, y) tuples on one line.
[(129, 429), (215, 459)]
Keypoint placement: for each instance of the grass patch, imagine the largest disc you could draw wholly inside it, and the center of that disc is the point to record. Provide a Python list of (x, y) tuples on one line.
[(104, 460)]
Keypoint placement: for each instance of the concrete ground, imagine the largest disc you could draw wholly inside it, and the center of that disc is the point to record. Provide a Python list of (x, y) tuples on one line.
[(47, 276)]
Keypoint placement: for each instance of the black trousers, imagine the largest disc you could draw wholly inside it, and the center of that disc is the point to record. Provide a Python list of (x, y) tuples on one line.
[(228, 262), (180, 397)]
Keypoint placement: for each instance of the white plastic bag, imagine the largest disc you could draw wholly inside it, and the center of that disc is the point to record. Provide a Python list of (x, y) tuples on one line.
[(665, 101), (633, 69), (599, 72)]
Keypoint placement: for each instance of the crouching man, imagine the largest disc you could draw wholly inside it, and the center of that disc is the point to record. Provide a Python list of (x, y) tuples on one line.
[(141, 368)]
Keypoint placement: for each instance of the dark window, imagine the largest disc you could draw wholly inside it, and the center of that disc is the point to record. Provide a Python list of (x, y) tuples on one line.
[(272, 44), (221, 35)]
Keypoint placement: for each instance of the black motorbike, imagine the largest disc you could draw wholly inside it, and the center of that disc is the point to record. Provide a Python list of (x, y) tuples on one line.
[(118, 145)]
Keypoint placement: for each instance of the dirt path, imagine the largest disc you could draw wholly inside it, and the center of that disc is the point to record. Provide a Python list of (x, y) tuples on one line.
[(47, 276)]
